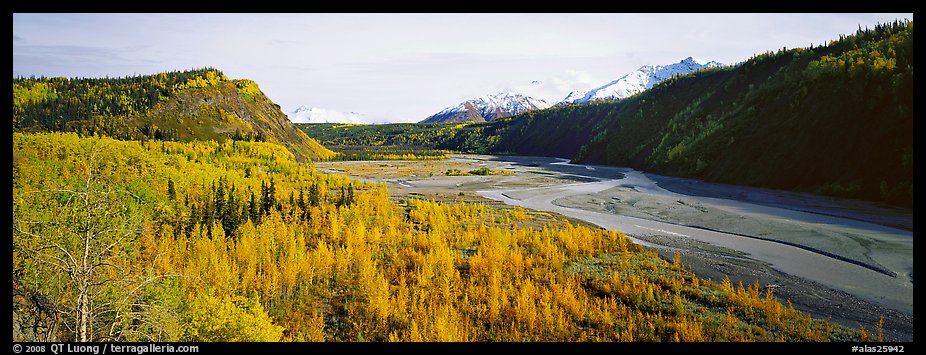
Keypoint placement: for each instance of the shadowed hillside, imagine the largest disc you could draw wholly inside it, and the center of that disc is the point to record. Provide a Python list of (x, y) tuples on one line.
[(834, 119)]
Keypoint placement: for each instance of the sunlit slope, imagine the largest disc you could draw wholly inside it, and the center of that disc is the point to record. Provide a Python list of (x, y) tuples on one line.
[(190, 105), (236, 241)]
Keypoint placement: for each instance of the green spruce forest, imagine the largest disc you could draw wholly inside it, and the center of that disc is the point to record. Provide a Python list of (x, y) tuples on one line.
[(396, 141), (184, 206), (832, 119)]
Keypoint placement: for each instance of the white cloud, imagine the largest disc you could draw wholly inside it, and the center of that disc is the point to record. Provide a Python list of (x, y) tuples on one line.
[(553, 89)]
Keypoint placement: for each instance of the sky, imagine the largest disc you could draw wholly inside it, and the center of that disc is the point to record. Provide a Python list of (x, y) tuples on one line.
[(405, 67)]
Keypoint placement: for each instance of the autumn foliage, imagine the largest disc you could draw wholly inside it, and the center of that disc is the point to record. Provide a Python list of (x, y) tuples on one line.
[(254, 246)]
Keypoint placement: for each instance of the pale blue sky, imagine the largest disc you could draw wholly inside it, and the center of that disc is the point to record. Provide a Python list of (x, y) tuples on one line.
[(405, 67)]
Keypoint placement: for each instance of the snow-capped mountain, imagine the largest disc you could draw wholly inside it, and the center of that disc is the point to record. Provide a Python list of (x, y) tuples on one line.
[(488, 107), (573, 97), (306, 114), (637, 81)]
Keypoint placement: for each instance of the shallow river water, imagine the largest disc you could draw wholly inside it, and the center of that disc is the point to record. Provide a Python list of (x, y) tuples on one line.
[(842, 244)]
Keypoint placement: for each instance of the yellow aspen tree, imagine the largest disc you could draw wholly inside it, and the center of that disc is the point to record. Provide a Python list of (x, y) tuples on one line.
[(270, 280), (333, 218), (627, 334), (727, 287), (394, 337), (524, 304), (863, 333), (730, 324), (288, 265), (323, 260), (413, 333), (246, 256), (494, 296), (166, 246), (772, 307), (316, 328), (880, 327)]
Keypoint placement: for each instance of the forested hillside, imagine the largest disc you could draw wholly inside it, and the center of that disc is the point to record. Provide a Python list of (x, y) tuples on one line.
[(395, 141), (834, 119), (236, 241), (179, 106), (425, 135)]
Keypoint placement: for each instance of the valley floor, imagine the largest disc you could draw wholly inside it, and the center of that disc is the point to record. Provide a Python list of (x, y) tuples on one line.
[(848, 261)]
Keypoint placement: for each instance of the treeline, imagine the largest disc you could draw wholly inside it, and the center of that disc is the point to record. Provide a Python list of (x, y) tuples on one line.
[(236, 241), (388, 152), (396, 141), (49, 104), (424, 135), (478, 172)]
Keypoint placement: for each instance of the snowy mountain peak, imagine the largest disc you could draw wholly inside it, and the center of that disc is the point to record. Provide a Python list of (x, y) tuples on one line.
[(309, 114), (639, 80), (573, 96), (701, 63), (301, 109), (693, 60), (488, 107)]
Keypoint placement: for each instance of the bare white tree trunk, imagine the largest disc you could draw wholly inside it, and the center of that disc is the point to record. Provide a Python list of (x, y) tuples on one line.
[(75, 235)]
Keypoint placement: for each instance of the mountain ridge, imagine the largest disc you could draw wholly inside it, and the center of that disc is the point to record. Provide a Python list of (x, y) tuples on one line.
[(312, 114), (488, 107), (638, 81), (833, 120)]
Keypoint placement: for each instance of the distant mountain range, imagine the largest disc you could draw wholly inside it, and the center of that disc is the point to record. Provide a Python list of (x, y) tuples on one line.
[(637, 81), (306, 114), (488, 107), (834, 119), (508, 103), (504, 104)]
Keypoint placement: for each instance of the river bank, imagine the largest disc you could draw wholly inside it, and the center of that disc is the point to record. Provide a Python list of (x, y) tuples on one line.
[(849, 270)]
